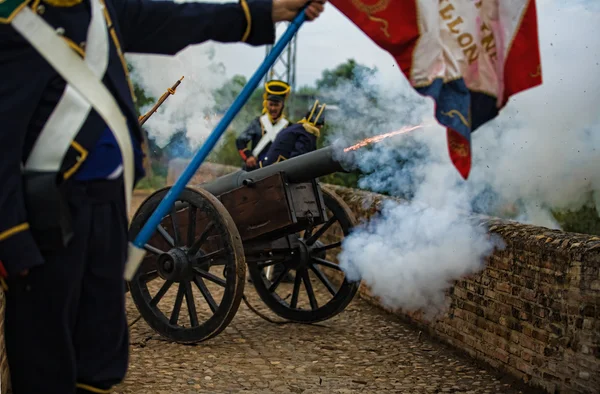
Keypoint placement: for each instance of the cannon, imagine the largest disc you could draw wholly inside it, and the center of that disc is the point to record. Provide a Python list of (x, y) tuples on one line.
[(245, 221)]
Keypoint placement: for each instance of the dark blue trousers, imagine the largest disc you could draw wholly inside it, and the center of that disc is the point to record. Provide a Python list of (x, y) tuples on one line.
[(65, 326)]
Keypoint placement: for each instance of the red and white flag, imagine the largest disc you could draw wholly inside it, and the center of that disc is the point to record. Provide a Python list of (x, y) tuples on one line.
[(470, 56)]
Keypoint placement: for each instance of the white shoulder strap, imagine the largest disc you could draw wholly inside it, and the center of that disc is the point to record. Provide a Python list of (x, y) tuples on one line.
[(271, 131), (72, 110), (85, 82)]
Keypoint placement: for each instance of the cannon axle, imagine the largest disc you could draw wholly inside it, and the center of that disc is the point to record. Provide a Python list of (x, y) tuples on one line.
[(175, 265)]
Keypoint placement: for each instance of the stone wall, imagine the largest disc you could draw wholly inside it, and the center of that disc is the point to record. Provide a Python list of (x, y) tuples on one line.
[(534, 311)]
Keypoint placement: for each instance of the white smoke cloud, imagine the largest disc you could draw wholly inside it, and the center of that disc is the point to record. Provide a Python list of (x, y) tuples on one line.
[(541, 153), (410, 255), (190, 108), (545, 146), (205, 67)]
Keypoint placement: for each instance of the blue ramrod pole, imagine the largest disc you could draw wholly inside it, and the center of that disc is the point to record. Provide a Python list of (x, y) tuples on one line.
[(136, 256)]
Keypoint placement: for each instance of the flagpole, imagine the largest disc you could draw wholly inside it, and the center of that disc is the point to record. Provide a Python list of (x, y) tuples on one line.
[(174, 192)]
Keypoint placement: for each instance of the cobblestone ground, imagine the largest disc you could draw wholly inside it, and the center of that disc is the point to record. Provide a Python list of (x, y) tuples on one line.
[(361, 350)]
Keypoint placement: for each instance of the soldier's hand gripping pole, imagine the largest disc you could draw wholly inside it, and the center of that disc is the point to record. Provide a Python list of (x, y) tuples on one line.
[(161, 100), (136, 249)]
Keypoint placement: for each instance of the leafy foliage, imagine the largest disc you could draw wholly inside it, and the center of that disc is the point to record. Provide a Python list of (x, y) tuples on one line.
[(226, 95), (226, 153), (349, 72), (142, 99), (584, 220), (152, 183)]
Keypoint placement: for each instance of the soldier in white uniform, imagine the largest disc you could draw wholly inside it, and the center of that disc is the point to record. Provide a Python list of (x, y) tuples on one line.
[(263, 129)]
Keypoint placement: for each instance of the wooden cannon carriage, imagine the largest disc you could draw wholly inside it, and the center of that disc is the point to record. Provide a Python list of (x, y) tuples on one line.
[(245, 221)]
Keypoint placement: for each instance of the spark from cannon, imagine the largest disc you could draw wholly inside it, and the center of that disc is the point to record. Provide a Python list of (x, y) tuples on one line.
[(380, 137)]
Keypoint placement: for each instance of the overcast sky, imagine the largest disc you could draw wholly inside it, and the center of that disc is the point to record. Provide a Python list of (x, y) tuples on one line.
[(333, 39), (322, 44)]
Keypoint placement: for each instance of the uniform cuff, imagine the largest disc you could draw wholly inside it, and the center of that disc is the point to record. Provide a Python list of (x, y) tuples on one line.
[(259, 29), (20, 252), (243, 153)]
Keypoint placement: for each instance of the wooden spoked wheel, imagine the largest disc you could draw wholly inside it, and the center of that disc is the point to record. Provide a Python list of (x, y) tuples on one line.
[(195, 255), (318, 289)]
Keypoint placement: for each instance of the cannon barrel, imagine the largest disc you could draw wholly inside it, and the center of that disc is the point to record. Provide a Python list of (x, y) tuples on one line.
[(298, 169)]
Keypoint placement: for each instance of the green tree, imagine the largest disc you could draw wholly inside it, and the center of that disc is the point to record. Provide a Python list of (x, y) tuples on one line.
[(349, 72), (300, 101), (142, 100), (347, 86), (226, 151), (584, 220)]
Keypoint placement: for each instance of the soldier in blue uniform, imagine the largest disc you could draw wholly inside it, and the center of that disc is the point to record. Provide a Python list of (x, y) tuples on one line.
[(293, 141), (297, 139), (263, 129), (70, 147)]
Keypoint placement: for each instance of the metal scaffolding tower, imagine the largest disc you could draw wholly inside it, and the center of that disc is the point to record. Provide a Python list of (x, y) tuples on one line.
[(284, 67)]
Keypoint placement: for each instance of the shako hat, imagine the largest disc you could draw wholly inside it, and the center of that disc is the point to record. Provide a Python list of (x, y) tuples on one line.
[(276, 90), (316, 115)]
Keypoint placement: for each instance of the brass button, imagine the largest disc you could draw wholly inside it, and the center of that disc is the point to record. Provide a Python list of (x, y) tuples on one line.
[(41, 9), (60, 31)]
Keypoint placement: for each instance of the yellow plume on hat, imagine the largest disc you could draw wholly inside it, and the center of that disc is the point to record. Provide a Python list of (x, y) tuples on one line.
[(315, 114)]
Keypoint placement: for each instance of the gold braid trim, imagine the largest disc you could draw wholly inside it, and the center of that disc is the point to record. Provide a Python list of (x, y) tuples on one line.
[(74, 47), (13, 230), (246, 9), (373, 9), (14, 12), (314, 130), (453, 112), (83, 154), (537, 73), (113, 34), (7, 234), (92, 389), (285, 86), (285, 93), (34, 6), (63, 3)]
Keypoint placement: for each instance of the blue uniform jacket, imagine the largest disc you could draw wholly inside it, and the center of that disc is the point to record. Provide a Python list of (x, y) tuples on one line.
[(253, 133), (292, 141), (31, 88)]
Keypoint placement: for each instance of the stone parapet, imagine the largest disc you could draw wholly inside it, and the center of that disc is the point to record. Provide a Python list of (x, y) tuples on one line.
[(534, 311)]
